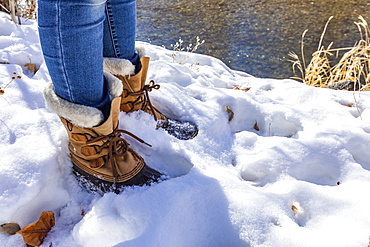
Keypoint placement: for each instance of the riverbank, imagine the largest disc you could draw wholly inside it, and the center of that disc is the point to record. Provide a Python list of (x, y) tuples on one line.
[(252, 36)]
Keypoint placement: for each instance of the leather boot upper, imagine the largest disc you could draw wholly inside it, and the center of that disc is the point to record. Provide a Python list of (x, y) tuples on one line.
[(101, 151)]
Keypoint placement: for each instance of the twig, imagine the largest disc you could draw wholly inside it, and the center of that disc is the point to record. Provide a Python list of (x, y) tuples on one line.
[(302, 51), (358, 110), (5, 8), (323, 33)]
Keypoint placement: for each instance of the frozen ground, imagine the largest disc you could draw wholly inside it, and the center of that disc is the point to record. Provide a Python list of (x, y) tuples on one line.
[(280, 164)]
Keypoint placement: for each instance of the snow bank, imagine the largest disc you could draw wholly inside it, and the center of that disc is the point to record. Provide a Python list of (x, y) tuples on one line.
[(277, 163)]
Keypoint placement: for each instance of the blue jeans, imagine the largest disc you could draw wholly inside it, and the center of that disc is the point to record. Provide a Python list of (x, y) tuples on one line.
[(75, 35)]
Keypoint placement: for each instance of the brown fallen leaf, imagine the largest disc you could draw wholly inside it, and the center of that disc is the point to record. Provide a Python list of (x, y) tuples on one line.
[(34, 233), (230, 112), (31, 67), (295, 210), (242, 89), (255, 126)]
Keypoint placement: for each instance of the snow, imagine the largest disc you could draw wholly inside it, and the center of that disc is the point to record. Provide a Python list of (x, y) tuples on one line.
[(291, 167)]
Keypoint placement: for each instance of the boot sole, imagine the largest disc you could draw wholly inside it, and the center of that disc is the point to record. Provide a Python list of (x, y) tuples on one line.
[(93, 184)]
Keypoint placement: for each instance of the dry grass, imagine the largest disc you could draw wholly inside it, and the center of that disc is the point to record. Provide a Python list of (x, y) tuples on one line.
[(14, 77), (182, 52), (353, 67), (180, 47), (19, 8)]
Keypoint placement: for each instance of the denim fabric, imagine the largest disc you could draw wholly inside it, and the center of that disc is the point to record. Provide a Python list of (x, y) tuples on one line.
[(75, 35)]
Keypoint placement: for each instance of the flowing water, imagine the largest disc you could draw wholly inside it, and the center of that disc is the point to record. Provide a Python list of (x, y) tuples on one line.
[(254, 36)]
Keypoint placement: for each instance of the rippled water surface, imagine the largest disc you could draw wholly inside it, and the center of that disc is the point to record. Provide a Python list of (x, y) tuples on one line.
[(254, 36)]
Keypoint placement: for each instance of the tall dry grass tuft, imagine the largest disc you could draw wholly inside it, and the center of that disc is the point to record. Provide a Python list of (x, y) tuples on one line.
[(352, 72)]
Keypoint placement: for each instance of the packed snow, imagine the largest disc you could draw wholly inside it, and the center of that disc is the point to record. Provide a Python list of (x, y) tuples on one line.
[(275, 163)]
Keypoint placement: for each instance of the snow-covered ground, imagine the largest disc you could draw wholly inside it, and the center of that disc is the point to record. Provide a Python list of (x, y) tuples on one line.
[(290, 168)]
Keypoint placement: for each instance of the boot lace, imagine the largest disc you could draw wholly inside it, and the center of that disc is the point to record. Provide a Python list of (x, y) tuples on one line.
[(143, 97), (116, 145)]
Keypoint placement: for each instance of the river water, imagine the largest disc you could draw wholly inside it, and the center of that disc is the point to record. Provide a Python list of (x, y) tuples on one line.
[(254, 36)]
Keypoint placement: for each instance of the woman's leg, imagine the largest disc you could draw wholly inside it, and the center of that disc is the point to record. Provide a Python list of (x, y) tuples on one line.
[(120, 30), (71, 35), (119, 45)]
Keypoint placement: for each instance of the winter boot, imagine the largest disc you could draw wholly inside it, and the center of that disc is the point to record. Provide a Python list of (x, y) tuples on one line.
[(102, 159), (135, 96)]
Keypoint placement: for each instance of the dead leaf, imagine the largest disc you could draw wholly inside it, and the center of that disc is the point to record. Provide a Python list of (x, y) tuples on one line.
[(295, 210), (242, 89), (31, 67), (34, 233), (230, 112), (255, 126), (347, 104)]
